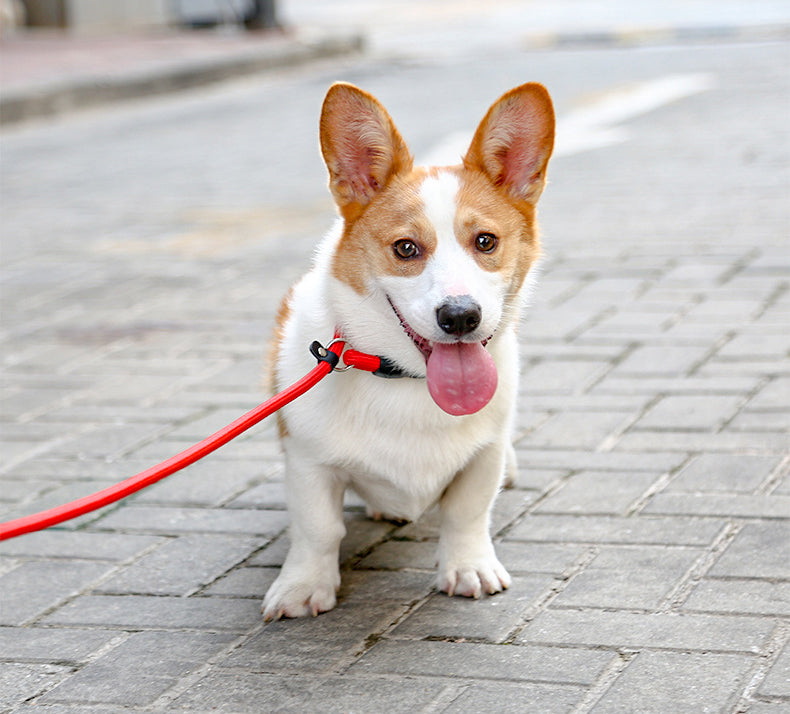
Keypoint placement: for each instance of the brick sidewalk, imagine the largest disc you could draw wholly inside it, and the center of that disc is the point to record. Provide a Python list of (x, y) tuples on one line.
[(647, 532)]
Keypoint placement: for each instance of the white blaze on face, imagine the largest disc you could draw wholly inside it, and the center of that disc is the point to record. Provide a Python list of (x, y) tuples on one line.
[(452, 269)]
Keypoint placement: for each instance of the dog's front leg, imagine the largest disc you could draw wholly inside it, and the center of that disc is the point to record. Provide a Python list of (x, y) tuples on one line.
[(468, 564), (310, 576)]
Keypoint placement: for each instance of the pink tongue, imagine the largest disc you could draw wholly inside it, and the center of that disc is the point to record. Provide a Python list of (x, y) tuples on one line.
[(461, 377)]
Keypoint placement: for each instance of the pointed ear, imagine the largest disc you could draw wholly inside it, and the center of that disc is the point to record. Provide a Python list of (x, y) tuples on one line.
[(361, 146), (514, 141)]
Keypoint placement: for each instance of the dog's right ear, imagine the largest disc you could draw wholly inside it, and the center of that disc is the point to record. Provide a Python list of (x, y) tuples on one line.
[(361, 147)]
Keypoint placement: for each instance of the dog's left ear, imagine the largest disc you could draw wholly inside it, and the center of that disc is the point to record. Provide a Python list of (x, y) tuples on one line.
[(514, 141), (361, 147)]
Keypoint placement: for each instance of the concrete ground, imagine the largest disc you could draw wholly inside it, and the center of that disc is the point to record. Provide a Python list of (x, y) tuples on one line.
[(647, 533)]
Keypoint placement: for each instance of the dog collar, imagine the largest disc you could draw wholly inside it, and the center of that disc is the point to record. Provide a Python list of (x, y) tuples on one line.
[(375, 364)]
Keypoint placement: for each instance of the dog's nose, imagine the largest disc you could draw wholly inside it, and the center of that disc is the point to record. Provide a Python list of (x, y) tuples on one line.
[(459, 315)]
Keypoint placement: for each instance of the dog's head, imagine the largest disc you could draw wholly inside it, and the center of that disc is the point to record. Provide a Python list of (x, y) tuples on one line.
[(438, 255)]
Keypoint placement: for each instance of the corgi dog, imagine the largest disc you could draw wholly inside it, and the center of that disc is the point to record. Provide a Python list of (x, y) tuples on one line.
[(426, 268)]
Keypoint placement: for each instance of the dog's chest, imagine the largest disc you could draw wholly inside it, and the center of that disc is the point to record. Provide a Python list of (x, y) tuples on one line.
[(399, 452)]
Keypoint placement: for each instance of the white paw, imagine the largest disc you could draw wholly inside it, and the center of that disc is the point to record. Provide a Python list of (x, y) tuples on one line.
[(292, 596), (473, 578), (380, 516)]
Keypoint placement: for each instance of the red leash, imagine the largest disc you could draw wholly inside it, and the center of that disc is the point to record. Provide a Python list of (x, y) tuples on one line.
[(327, 359)]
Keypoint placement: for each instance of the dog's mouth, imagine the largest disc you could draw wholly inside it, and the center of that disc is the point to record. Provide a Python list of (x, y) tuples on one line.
[(424, 345), (461, 376)]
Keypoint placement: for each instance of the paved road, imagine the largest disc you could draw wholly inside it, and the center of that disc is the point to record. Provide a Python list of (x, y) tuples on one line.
[(144, 250)]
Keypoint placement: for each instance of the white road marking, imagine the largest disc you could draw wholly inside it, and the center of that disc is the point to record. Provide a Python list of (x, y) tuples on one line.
[(595, 125)]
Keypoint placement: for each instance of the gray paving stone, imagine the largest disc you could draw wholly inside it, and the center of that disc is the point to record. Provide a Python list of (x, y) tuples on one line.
[(362, 534), (659, 682), (205, 483), (182, 565), (756, 345), (759, 550), (36, 586), (56, 497), (666, 360), (720, 504), (561, 376), (397, 554), (273, 555), (488, 619), (138, 670), (484, 661), (507, 698), (747, 366), (109, 442), (740, 473), (270, 494), (371, 586), (538, 479), (169, 520), (538, 407), (677, 384), (773, 396), (64, 646), (777, 682), (635, 530), (748, 420), (81, 545), (753, 596), (244, 692), (14, 492), (314, 644), (344, 694), (576, 460), (158, 613), (626, 577), (690, 412), (685, 442), (578, 430), (601, 628), (20, 682), (246, 582), (594, 492), (763, 707)]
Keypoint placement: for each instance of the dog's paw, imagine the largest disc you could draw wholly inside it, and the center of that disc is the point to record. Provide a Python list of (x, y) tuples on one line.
[(295, 597), (379, 516), (472, 579)]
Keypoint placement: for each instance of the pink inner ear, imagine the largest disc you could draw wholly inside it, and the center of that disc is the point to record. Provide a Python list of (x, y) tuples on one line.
[(520, 162), (357, 169)]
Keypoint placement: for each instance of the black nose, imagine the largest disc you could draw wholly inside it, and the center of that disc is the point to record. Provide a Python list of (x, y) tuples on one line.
[(458, 315)]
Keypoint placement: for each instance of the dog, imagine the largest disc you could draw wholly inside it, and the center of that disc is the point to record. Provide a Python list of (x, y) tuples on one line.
[(426, 267)]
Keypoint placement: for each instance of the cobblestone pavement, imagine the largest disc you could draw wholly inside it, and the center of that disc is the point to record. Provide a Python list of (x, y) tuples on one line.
[(647, 532)]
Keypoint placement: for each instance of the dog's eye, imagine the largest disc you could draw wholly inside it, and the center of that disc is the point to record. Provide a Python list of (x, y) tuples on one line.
[(486, 242), (405, 249)]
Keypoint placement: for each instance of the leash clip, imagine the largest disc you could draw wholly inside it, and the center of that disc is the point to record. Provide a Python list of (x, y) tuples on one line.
[(325, 354)]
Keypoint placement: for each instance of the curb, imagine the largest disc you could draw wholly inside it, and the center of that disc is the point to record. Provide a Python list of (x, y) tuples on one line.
[(60, 98)]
